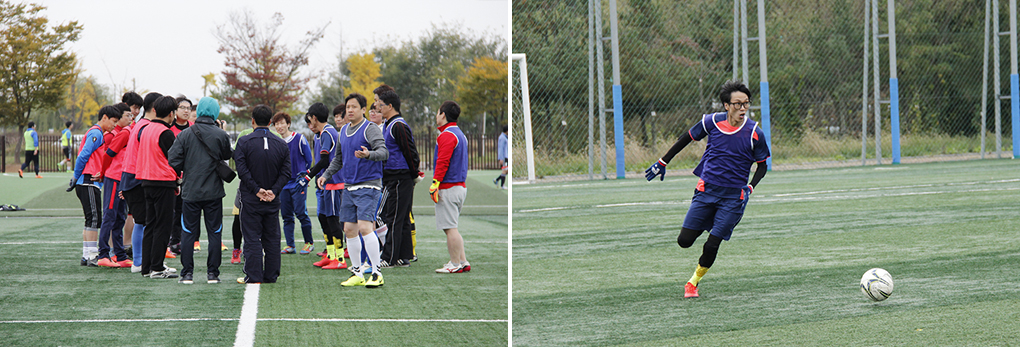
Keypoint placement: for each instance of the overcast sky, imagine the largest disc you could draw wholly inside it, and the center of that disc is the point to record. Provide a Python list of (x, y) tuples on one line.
[(119, 40)]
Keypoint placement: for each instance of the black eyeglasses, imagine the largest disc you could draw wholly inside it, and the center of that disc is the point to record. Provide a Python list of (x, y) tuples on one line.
[(746, 105)]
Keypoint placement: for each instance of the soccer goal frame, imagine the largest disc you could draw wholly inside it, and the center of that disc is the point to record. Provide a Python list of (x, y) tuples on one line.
[(522, 62)]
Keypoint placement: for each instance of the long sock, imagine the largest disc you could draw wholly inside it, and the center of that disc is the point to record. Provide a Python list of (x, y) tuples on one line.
[(85, 249), (700, 272), (331, 251), (374, 252), (414, 236), (354, 249), (235, 229), (136, 242)]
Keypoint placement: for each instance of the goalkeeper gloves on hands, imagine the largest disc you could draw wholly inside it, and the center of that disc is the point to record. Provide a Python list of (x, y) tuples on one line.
[(421, 175), (657, 169), (303, 178), (434, 190), (70, 186)]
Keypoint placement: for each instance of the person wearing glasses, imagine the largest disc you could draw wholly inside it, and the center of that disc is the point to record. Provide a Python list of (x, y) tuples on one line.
[(734, 143)]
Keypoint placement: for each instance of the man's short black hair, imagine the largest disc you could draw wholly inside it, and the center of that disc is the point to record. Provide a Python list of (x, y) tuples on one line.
[(31, 124), (110, 111), (361, 99), (149, 99), (67, 124), (261, 114), (132, 99), (505, 128), (319, 111), (123, 107), (391, 98), (183, 98), (732, 86), (339, 110), (451, 109), (164, 106)]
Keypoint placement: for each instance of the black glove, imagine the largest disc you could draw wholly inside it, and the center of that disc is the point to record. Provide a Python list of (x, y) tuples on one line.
[(70, 185)]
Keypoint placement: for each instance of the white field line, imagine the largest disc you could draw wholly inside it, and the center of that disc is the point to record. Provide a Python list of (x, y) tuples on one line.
[(383, 320), (809, 196), (395, 320), (249, 316), (227, 242), (228, 209)]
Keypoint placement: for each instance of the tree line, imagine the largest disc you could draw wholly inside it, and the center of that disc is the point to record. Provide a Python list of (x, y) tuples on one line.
[(675, 54)]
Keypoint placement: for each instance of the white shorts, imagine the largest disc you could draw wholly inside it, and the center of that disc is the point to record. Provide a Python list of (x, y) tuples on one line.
[(448, 208)]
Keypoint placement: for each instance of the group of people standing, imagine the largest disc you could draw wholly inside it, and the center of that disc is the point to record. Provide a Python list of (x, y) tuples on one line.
[(167, 168)]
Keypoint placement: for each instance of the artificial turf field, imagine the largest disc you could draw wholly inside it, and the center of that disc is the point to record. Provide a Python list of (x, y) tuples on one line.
[(47, 299), (596, 262)]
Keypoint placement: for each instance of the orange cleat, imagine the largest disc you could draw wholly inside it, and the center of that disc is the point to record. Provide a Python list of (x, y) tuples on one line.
[(37, 176), (335, 265), (106, 262), (322, 262), (690, 290), (169, 254), (235, 258), (126, 263), (198, 246)]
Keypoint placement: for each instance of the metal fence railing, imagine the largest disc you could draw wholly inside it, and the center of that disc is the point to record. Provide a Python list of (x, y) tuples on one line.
[(674, 55), (50, 152)]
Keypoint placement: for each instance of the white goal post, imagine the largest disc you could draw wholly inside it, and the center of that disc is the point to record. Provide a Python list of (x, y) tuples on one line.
[(526, 105)]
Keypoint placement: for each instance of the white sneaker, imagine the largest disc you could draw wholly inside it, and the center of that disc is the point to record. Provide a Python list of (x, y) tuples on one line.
[(450, 268), (136, 269), (167, 268)]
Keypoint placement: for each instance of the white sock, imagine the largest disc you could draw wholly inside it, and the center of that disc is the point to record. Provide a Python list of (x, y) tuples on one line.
[(85, 249), (90, 249), (354, 250), (374, 253)]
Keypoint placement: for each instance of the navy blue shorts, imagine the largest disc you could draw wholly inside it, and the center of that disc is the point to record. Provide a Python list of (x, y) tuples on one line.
[(360, 204), (720, 215), (327, 202)]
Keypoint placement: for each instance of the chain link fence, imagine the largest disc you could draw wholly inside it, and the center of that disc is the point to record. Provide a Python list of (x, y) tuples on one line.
[(674, 55)]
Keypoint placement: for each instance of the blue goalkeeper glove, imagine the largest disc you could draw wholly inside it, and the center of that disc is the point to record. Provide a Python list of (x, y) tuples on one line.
[(657, 169)]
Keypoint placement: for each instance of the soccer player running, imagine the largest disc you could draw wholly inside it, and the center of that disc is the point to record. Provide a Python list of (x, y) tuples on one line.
[(31, 150), (66, 139), (87, 182), (399, 175), (295, 194), (330, 189), (360, 163), (448, 190), (734, 143)]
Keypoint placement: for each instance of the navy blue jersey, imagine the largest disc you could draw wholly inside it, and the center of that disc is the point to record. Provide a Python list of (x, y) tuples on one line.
[(730, 150)]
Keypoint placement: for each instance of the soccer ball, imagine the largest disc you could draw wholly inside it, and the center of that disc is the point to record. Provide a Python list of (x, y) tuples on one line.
[(877, 284)]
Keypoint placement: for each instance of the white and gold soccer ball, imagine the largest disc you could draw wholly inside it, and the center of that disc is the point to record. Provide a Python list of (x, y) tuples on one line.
[(877, 284)]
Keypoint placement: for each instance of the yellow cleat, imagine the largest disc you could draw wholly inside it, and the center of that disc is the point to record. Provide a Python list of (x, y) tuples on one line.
[(355, 280), (375, 281)]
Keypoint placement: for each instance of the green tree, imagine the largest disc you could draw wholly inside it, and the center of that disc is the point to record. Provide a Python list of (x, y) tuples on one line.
[(35, 69), (483, 90), (425, 72), (260, 69)]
